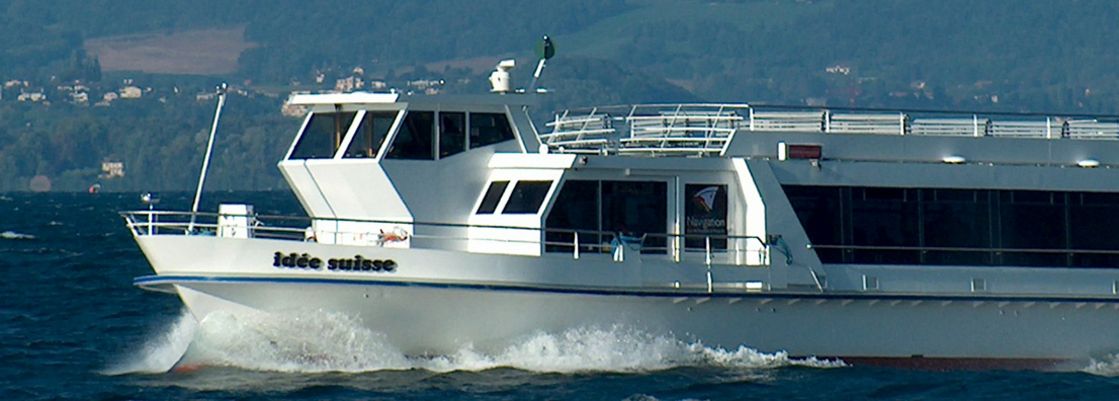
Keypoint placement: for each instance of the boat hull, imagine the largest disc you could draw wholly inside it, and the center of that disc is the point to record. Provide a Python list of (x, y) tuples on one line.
[(422, 315), (439, 319)]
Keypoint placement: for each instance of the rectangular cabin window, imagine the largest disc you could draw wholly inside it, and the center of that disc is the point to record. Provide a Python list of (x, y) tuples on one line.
[(415, 138), (637, 209), (452, 133), (956, 218), (705, 216), (882, 220), (492, 197), (819, 210), (959, 226), (603, 211), (367, 140), (1032, 220), (1094, 225), (488, 129), (527, 197), (575, 210), (323, 135)]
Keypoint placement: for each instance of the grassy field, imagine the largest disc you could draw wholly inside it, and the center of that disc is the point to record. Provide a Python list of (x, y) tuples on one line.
[(195, 52)]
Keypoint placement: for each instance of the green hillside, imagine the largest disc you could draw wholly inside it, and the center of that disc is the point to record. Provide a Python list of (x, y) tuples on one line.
[(948, 54)]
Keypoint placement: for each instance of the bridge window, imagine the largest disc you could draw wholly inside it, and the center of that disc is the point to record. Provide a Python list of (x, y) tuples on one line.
[(367, 140), (323, 135), (527, 197), (492, 197), (488, 129), (452, 133), (415, 138)]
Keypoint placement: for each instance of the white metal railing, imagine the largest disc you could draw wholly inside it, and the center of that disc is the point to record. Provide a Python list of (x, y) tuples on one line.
[(652, 128), (707, 129), (730, 249)]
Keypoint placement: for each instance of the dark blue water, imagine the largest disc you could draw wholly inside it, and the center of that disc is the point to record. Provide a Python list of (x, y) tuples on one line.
[(73, 327)]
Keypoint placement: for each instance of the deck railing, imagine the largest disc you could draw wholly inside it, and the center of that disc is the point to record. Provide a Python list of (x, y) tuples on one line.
[(707, 129), (577, 244)]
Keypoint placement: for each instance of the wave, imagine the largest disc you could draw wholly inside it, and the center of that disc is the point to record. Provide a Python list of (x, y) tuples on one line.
[(1107, 366), (160, 353), (329, 342), (15, 235)]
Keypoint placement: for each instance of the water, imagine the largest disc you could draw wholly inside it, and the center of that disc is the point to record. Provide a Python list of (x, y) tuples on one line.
[(73, 327)]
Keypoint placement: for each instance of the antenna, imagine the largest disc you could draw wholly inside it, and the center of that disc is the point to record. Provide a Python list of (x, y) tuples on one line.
[(206, 160), (545, 50)]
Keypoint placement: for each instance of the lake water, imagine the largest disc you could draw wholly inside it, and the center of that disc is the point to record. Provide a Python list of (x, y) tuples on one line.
[(73, 327)]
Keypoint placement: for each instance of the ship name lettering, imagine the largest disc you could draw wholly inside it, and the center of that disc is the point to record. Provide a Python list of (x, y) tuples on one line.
[(356, 263)]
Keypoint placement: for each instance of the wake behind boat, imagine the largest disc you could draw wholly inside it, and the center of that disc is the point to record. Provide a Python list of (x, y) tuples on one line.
[(908, 237)]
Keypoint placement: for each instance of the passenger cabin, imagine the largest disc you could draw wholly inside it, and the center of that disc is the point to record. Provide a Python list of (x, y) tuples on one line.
[(727, 184), (469, 173)]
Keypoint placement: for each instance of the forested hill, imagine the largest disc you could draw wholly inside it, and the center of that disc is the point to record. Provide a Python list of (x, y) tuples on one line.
[(947, 54)]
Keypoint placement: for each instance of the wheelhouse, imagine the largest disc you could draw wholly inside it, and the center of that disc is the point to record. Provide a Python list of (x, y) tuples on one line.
[(378, 126)]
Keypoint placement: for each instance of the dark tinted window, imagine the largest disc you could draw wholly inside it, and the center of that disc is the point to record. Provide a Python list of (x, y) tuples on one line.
[(959, 226), (323, 135), (415, 138), (946, 215), (1094, 225), (489, 128), (492, 197), (1032, 220), (881, 218), (575, 209), (634, 209), (637, 209), (452, 133), (527, 197), (818, 209), (372, 131)]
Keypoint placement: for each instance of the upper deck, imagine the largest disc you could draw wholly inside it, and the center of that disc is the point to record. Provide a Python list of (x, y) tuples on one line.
[(716, 129), (730, 130)]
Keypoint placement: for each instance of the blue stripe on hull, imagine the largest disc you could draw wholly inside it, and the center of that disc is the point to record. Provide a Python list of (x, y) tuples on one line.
[(146, 281)]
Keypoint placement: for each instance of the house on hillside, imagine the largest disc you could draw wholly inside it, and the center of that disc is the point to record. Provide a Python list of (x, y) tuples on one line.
[(79, 98), (131, 92), (111, 169), (33, 97), (107, 99), (349, 84)]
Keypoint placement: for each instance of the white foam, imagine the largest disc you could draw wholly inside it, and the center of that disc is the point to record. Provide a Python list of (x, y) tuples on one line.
[(162, 351), (1107, 366), (325, 342), (15, 235), (317, 342)]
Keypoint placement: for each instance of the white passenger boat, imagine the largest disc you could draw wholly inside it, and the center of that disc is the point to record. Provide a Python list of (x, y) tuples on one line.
[(908, 237)]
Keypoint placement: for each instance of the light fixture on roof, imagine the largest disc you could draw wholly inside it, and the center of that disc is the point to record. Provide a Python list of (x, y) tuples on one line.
[(954, 159), (1088, 163)]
